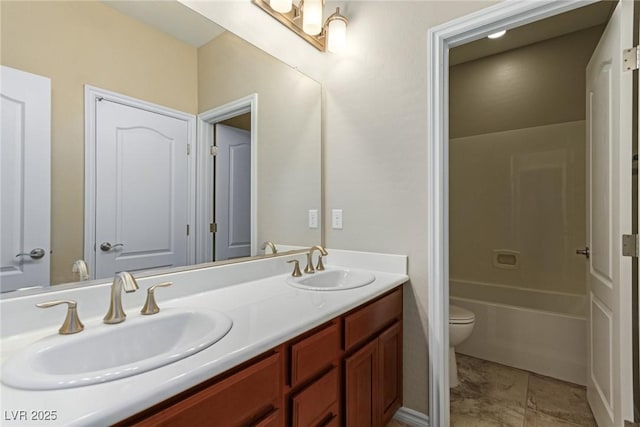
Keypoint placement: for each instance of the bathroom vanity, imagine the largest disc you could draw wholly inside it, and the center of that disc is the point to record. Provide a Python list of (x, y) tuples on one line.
[(302, 380), (293, 356)]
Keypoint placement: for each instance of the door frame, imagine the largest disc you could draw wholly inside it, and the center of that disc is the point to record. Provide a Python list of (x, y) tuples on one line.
[(91, 96), (205, 184), (505, 15)]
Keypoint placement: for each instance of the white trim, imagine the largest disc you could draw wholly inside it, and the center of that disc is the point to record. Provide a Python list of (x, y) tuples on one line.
[(91, 95), (411, 417), (204, 187), (505, 15)]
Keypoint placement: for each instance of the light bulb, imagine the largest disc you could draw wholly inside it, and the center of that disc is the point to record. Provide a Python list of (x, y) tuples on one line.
[(312, 17), (498, 34), (282, 6), (337, 34)]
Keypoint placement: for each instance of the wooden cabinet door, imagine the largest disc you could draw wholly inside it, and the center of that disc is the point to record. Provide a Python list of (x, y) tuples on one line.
[(361, 404), (390, 371)]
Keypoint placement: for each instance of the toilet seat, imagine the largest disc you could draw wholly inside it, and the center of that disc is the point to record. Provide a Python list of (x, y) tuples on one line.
[(460, 316)]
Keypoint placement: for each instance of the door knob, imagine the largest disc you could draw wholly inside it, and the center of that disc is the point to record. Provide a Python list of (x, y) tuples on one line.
[(36, 253), (584, 252), (106, 246)]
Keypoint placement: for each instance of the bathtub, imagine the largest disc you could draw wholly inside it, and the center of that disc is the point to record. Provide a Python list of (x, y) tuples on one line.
[(542, 332)]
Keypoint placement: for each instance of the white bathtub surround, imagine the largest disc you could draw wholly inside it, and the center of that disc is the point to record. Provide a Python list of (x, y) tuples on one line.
[(265, 311), (525, 329)]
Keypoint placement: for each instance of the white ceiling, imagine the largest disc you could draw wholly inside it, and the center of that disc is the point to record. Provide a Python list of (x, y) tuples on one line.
[(565, 23), (170, 17)]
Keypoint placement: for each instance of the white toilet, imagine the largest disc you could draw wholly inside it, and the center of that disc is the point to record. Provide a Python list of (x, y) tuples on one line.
[(461, 323)]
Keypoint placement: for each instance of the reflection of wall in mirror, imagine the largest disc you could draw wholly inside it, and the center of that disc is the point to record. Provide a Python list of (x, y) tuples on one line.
[(289, 168), (78, 43)]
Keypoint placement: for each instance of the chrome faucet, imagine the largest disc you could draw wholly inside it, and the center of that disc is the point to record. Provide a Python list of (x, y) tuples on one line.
[(116, 313), (274, 250), (323, 252)]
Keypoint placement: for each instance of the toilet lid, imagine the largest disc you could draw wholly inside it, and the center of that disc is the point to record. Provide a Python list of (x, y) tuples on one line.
[(460, 315)]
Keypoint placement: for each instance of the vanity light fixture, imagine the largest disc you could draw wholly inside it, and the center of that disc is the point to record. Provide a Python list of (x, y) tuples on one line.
[(282, 6), (304, 17), (497, 35)]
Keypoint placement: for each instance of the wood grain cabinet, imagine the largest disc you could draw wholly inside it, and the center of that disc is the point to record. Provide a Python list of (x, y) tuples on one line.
[(373, 370), (345, 372)]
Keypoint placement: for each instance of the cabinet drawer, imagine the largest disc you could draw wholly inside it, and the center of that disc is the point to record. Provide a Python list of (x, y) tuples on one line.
[(317, 401), (236, 400), (367, 321), (314, 353)]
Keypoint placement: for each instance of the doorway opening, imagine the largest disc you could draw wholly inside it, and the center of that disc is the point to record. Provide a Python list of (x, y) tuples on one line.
[(517, 197), (227, 181), (441, 39)]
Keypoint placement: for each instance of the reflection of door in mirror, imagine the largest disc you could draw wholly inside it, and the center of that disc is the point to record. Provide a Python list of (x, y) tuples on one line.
[(232, 207), (141, 198), (25, 165)]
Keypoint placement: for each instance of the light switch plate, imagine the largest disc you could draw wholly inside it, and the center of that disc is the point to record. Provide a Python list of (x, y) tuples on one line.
[(313, 218), (336, 219)]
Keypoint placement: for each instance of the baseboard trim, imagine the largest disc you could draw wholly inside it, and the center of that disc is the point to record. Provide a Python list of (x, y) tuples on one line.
[(411, 417)]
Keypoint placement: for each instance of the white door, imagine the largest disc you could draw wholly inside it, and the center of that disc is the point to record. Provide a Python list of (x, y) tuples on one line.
[(25, 179), (233, 193), (609, 154), (141, 189)]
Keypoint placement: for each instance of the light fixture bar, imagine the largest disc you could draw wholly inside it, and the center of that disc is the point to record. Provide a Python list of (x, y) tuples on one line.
[(287, 19)]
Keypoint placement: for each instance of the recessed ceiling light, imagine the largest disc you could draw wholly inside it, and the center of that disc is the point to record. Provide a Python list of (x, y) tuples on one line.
[(498, 34)]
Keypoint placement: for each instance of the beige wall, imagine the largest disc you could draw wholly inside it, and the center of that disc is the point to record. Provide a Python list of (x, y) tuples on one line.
[(536, 85), (78, 43), (289, 119), (521, 190), (517, 164)]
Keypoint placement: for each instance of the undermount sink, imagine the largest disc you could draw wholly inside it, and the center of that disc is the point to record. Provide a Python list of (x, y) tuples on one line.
[(111, 352), (334, 279)]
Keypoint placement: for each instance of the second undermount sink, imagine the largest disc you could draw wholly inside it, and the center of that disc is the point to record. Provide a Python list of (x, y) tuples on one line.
[(111, 352), (333, 279)]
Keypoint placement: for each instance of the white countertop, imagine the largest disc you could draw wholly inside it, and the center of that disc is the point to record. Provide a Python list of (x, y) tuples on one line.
[(266, 312)]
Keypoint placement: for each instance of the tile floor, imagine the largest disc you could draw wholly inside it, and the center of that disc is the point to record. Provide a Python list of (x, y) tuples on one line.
[(496, 395)]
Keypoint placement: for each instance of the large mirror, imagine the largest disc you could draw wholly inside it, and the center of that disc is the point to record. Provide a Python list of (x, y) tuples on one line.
[(211, 83)]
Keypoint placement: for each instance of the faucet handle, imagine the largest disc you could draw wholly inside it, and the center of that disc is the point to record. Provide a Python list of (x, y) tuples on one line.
[(72, 323), (150, 305), (296, 267), (320, 264)]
